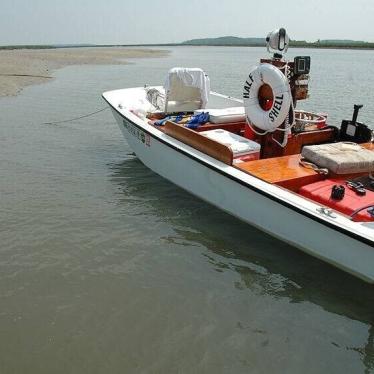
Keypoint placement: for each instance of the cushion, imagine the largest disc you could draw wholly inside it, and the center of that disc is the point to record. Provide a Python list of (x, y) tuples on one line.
[(340, 158), (226, 115)]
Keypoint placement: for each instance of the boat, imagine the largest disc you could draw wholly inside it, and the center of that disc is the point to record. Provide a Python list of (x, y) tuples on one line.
[(283, 170)]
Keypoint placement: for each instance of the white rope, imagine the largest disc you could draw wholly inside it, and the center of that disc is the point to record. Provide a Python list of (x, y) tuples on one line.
[(287, 126), (310, 165)]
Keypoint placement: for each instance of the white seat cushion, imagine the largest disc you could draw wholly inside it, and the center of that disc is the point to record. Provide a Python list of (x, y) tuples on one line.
[(232, 114), (186, 89), (340, 158)]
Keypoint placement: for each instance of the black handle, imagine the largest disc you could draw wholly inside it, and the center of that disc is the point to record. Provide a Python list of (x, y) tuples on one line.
[(282, 39), (356, 108)]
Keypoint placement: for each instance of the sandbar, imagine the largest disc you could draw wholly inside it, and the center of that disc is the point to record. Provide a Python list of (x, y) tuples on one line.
[(23, 67)]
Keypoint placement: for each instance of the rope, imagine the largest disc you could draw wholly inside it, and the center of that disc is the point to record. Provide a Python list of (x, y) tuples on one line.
[(360, 209), (310, 165), (75, 118), (287, 125), (25, 75)]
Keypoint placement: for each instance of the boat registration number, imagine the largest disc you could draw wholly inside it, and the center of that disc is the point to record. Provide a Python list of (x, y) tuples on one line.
[(136, 133)]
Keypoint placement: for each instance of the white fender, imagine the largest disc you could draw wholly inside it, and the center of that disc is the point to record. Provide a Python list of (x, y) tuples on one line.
[(267, 120)]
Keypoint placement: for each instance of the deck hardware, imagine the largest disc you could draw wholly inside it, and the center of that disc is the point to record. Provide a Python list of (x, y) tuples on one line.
[(326, 211)]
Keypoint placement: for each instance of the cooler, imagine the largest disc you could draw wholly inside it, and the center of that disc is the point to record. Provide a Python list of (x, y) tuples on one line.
[(242, 148)]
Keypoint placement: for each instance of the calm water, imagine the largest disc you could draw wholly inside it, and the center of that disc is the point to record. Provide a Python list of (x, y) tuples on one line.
[(107, 268)]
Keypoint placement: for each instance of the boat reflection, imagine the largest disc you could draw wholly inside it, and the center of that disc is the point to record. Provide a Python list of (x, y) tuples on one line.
[(265, 265)]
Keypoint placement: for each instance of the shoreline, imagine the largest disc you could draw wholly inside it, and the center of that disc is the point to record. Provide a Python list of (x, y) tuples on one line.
[(370, 47), (20, 68)]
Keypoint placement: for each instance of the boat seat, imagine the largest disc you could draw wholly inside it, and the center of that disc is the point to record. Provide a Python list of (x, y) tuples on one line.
[(186, 90), (341, 158)]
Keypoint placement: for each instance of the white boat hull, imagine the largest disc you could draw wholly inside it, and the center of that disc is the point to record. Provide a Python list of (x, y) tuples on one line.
[(241, 197)]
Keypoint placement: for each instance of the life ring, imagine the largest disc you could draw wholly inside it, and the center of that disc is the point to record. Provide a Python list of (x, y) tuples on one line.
[(271, 119)]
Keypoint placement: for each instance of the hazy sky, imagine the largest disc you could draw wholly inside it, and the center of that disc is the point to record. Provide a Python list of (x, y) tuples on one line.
[(163, 21)]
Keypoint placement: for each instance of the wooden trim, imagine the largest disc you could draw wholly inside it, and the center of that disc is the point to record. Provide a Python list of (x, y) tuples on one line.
[(283, 171), (211, 147), (369, 146)]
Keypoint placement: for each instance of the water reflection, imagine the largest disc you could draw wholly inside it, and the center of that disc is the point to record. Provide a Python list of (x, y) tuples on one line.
[(265, 265)]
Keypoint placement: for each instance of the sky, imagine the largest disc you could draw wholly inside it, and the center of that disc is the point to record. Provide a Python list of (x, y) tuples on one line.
[(173, 21)]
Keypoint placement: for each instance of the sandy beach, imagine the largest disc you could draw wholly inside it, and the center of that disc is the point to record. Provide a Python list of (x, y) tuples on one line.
[(22, 67)]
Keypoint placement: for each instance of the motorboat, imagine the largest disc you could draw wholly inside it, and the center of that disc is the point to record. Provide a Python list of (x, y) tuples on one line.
[(259, 158)]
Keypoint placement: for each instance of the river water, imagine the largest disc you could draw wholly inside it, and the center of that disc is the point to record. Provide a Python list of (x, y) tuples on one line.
[(107, 268)]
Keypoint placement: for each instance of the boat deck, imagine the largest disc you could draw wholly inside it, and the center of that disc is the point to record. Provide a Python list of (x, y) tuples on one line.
[(284, 171), (287, 172)]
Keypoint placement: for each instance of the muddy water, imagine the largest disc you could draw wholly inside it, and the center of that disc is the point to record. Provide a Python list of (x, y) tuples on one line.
[(107, 268)]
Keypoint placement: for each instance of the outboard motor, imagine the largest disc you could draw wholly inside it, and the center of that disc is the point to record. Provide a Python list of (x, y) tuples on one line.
[(354, 131)]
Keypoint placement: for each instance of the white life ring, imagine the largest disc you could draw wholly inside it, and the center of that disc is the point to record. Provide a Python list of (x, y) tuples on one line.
[(267, 120)]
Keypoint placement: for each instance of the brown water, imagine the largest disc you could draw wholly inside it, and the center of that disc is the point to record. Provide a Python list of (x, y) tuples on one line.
[(107, 268)]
